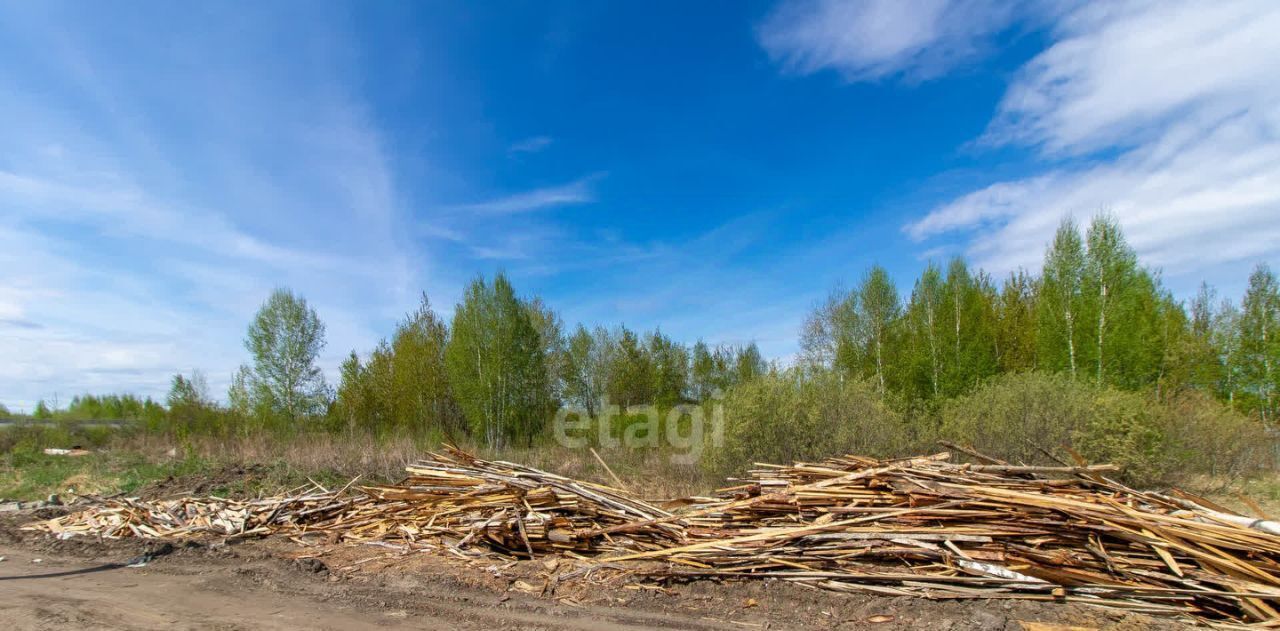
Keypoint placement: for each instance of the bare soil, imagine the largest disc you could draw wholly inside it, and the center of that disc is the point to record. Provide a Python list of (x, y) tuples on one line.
[(277, 584)]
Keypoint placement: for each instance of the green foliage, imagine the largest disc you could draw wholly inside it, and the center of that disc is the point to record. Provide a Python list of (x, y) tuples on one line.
[(28, 474), (880, 308), (924, 344), (1094, 314), (191, 409), (1094, 355), (405, 384), (497, 366), (671, 370), (553, 346), (716, 370), (631, 375), (860, 333), (586, 365), (108, 407), (794, 415), (1015, 323), (1023, 417), (1060, 328), (1124, 428), (1210, 439), (1259, 345), (285, 385), (1224, 340), (1016, 414)]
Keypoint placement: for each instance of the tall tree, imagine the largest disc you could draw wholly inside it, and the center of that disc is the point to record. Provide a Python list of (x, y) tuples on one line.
[(284, 340), (670, 370), (1108, 288), (586, 368), (496, 364), (1260, 342), (968, 306), (350, 406), (1225, 340), (1202, 310), (1060, 301), (702, 372), (1201, 362), (189, 403), (631, 374), (749, 363), (823, 329), (550, 330), (1015, 317), (878, 313), (421, 396), (926, 333)]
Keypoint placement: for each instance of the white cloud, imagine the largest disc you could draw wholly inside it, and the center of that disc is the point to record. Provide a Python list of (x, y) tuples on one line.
[(1165, 114), (874, 39), (1119, 72), (576, 192), (530, 145), (146, 210)]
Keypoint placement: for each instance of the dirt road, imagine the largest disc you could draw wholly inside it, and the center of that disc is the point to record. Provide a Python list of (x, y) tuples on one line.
[(82, 584), (71, 592)]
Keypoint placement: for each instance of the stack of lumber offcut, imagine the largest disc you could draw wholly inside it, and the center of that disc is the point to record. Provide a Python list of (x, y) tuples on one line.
[(921, 526), (194, 517), (513, 509), (930, 528)]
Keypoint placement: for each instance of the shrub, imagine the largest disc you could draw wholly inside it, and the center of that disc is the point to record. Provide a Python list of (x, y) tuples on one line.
[(1013, 416), (1010, 416), (1124, 428), (1212, 439), (789, 416)]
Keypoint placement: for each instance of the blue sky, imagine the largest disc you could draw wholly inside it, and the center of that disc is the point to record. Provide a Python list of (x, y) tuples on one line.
[(713, 169)]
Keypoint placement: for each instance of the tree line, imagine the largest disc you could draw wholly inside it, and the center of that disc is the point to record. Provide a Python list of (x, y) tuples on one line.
[(496, 373), (1094, 313)]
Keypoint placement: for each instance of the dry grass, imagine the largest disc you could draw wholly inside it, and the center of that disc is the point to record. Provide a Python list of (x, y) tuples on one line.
[(651, 473)]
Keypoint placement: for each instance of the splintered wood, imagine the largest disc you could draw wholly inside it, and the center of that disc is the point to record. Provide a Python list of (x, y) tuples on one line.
[(922, 527)]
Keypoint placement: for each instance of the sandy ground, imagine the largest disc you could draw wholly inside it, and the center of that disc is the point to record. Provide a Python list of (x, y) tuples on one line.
[(276, 584)]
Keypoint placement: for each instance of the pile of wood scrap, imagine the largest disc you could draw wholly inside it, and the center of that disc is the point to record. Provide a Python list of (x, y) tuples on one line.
[(930, 528), (519, 511), (193, 517), (452, 499), (921, 526)]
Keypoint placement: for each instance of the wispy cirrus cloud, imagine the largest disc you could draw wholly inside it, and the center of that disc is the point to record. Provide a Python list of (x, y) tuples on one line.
[(579, 191), (876, 39), (533, 144), (1165, 114), (146, 209)]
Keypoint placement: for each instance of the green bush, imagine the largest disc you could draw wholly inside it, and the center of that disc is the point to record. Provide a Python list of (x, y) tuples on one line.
[(1211, 439), (31, 437), (789, 416), (1125, 428), (1013, 416), (1010, 416)]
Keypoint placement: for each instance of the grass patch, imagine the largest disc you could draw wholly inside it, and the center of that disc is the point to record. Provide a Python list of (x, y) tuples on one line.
[(26, 475)]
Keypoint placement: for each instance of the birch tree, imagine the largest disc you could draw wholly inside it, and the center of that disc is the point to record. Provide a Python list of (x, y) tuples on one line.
[(1225, 339), (1060, 300), (1260, 342), (878, 312), (924, 315), (496, 364), (1015, 323), (284, 340), (1107, 287)]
